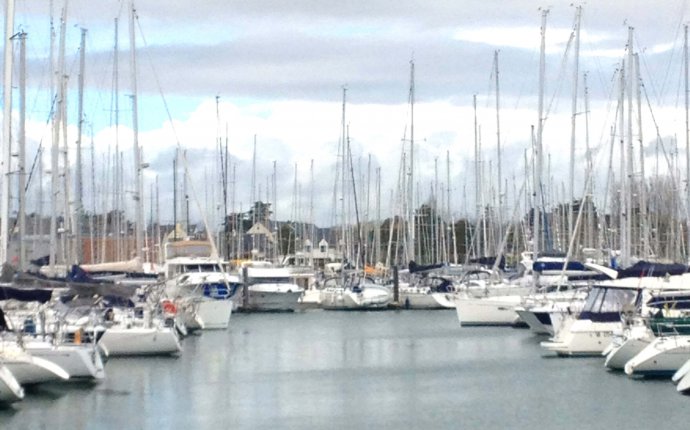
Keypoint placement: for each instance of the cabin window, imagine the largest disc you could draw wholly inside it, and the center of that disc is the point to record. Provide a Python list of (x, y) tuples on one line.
[(270, 280), (593, 300), (616, 298)]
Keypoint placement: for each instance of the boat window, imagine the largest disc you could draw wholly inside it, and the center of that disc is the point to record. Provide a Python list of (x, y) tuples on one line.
[(196, 268), (615, 298), (593, 299), (270, 280)]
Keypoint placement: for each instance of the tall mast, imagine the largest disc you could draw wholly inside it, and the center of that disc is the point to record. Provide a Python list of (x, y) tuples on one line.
[(79, 205), (477, 176), (117, 229), (687, 143), (175, 194), (629, 152), (499, 189), (343, 138), (55, 148), (644, 234), (411, 180), (622, 228), (312, 239), (138, 165), (538, 148), (590, 182), (576, 71), (22, 152), (6, 134)]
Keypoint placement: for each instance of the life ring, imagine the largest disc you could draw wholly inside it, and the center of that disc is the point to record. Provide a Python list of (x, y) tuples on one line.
[(169, 307)]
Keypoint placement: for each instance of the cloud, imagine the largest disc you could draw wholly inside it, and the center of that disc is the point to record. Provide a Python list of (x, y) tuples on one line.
[(278, 68)]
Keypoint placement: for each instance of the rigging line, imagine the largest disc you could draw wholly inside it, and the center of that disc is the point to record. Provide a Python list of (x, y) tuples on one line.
[(605, 132), (210, 233), (560, 79), (490, 85), (663, 148), (676, 37)]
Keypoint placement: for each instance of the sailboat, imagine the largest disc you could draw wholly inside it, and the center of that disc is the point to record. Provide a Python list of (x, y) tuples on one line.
[(352, 288), (198, 285)]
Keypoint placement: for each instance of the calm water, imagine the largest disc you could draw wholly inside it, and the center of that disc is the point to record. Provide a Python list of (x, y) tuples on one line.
[(355, 370)]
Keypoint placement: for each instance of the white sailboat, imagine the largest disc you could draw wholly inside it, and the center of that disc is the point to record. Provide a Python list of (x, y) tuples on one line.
[(198, 285), (662, 357), (591, 332), (354, 292), (269, 288), (136, 332)]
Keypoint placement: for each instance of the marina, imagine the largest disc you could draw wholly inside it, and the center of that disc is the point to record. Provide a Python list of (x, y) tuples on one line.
[(348, 370), (338, 241)]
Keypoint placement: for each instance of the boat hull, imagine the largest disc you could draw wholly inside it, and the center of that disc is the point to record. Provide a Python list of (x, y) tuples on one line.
[(538, 322), (426, 300), (123, 341), (619, 355), (10, 389), (272, 301), (367, 298), (80, 361), (487, 311), (31, 370), (661, 358), (582, 338)]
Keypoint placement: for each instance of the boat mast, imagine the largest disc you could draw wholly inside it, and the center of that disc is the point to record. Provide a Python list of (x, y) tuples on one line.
[(117, 196), (687, 144), (55, 148), (576, 79), (623, 182), (343, 137), (590, 170), (477, 179), (138, 165), (411, 254), (644, 234), (498, 149), (22, 151), (538, 147), (79, 205), (629, 152), (6, 133)]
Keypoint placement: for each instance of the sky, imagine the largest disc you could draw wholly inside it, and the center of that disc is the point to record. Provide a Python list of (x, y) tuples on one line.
[(273, 72)]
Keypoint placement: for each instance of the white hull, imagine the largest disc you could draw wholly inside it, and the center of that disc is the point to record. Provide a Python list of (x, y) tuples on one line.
[(214, 314), (10, 390), (311, 298), (267, 300), (662, 357), (582, 337), (29, 370), (369, 297), (682, 376), (122, 341), (681, 372), (203, 313), (80, 361), (425, 300), (624, 346), (529, 317), (496, 310), (619, 355)]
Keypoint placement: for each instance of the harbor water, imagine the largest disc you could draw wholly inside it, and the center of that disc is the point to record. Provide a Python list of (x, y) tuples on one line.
[(355, 370)]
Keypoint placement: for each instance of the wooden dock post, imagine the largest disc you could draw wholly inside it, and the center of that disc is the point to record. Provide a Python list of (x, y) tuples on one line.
[(245, 288), (396, 286)]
